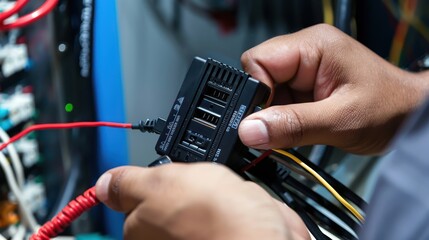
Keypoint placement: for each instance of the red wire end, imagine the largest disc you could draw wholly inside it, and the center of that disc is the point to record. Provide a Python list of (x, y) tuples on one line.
[(69, 213), (257, 160)]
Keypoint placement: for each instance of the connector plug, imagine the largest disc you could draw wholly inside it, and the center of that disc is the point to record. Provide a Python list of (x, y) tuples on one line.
[(150, 125)]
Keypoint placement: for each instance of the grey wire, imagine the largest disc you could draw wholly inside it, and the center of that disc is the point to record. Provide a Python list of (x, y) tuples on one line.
[(69, 188), (13, 185)]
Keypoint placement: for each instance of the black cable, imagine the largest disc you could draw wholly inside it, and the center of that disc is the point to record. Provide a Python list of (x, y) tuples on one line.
[(338, 186), (308, 221), (335, 210), (310, 193), (343, 15), (295, 187), (304, 190), (323, 220), (266, 171)]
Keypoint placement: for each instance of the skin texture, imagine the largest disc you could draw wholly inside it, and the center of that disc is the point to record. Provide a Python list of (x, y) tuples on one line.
[(326, 89), (195, 201)]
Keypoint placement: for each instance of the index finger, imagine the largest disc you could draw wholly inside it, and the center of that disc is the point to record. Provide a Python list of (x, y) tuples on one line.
[(294, 58)]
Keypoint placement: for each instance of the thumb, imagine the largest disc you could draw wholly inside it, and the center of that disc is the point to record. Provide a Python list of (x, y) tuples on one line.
[(292, 125), (123, 188)]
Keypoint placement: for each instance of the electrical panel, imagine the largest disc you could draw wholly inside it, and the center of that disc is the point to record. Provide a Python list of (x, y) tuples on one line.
[(45, 77)]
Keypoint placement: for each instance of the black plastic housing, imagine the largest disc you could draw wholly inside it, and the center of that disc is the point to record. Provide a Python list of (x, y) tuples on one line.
[(203, 122)]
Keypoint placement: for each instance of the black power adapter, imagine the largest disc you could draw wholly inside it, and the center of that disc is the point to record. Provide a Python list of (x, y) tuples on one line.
[(203, 122), (203, 126)]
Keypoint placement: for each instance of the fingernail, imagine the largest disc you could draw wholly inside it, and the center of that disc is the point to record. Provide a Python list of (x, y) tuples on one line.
[(102, 187), (253, 132)]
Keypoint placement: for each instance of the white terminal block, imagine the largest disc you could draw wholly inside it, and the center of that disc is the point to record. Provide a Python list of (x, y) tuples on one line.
[(15, 58), (29, 149), (20, 107), (34, 196)]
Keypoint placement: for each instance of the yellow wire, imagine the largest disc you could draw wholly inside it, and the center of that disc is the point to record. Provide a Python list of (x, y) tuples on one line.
[(324, 183), (405, 17), (328, 14)]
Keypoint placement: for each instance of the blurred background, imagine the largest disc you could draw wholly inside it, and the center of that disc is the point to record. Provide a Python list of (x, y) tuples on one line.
[(124, 61)]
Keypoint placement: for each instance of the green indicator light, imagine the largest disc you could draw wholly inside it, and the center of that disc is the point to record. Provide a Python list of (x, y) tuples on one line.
[(69, 107)]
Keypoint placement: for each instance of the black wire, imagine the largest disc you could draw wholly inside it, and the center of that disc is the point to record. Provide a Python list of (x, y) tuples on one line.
[(296, 188), (266, 171), (343, 15), (323, 220), (308, 221), (338, 186), (335, 210)]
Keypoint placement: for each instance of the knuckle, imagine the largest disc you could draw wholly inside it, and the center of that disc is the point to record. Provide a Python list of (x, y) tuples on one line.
[(328, 36), (115, 188), (246, 59), (162, 175), (325, 31), (350, 124), (324, 27), (310, 53), (288, 129)]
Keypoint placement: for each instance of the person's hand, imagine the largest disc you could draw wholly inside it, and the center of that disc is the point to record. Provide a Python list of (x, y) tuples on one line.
[(328, 89), (195, 201)]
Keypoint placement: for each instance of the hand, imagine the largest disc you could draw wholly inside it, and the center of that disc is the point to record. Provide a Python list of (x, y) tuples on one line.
[(195, 201), (328, 89)]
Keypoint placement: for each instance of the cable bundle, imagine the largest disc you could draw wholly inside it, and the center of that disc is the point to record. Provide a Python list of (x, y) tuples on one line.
[(27, 19), (72, 211), (317, 211), (307, 211)]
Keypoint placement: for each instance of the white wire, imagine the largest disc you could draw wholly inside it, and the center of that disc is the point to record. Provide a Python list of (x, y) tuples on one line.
[(13, 185), (14, 157), (20, 233), (2, 237)]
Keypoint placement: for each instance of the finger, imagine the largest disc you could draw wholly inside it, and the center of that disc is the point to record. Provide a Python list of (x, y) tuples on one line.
[(123, 188), (294, 57), (296, 125), (293, 221)]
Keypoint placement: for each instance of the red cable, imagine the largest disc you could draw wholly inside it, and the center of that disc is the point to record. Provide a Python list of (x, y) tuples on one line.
[(83, 202), (63, 126), (43, 10), (69, 213), (257, 160), (19, 4)]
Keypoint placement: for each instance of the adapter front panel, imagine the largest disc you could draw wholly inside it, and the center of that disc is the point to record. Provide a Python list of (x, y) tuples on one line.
[(203, 123)]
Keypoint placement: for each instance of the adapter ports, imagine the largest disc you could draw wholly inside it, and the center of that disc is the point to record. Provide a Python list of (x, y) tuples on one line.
[(216, 94), (206, 117)]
